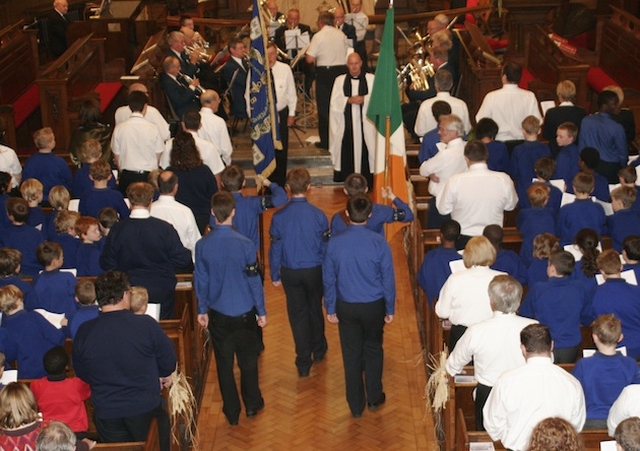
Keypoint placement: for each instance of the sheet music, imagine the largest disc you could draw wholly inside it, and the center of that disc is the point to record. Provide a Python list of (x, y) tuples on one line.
[(294, 40)]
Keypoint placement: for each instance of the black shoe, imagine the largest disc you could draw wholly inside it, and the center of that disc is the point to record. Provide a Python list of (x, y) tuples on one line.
[(303, 373), (319, 145), (254, 412), (233, 422), (356, 415), (318, 358), (375, 405)]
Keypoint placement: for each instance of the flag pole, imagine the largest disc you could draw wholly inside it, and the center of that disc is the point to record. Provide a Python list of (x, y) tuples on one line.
[(387, 152)]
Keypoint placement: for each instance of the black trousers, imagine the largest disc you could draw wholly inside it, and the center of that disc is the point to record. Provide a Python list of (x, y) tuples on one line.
[(129, 177), (609, 170), (360, 327), (434, 218), (236, 337), (482, 394), (325, 76), (303, 288), (455, 334), (136, 428), (566, 355), (279, 174)]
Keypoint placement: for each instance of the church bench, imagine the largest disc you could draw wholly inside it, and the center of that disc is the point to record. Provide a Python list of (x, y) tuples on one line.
[(19, 95), (512, 239), (78, 74), (179, 332), (151, 444)]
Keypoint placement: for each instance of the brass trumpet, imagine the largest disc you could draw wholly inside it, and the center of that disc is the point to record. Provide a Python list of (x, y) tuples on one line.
[(263, 5), (188, 79), (203, 56)]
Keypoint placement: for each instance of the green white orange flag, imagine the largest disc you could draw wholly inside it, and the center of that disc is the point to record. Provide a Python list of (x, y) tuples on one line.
[(385, 112)]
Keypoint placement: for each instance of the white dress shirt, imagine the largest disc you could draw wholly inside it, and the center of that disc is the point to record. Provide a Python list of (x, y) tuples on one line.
[(425, 122), (180, 217), (329, 47), (137, 143), (10, 163), (448, 161), (208, 153), (477, 197), (508, 106), (214, 129), (494, 346), (526, 395), (464, 297), (626, 406), (360, 21), (152, 115), (285, 87)]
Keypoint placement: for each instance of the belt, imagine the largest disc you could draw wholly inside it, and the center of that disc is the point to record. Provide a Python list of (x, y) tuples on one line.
[(136, 172)]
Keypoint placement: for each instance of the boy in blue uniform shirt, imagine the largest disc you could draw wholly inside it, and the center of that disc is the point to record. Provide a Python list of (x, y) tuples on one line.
[(82, 181), (359, 296), (428, 145), (535, 220), (59, 199), (544, 169), (588, 162), (606, 373), (631, 254), (91, 242), (622, 299), (381, 214), (100, 195), (5, 187), (567, 160), (628, 176), (55, 288), (525, 155), (582, 213), (562, 304), (66, 236), (31, 191), (33, 334), (87, 305), (45, 166), (506, 260), (624, 221), (9, 269), (299, 233), (435, 268), (19, 235), (231, 306), (486, 131)]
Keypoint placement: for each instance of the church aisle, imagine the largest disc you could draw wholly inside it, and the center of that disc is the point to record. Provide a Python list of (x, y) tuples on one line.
[(312, 412)]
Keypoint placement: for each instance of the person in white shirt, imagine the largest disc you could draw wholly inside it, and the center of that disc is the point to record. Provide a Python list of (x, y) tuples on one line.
[(136, 144), (360, 21), (425, 121), (509, 105), (210, 156), (493, 344), (152, 114), (178, 215), (525, 395), (286, 102), (328, 50), (627, 405), (213, 127), (10, 164), (464, 297), (477, 197), (448, 161)]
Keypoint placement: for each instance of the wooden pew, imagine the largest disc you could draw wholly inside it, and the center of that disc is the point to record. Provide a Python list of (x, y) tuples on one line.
[(179, 331), (19, 95), (77, 74), (512, 239), (551, 65), (151, 444)]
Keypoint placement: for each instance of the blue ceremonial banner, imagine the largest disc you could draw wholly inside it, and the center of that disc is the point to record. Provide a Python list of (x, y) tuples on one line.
[(261, 100)]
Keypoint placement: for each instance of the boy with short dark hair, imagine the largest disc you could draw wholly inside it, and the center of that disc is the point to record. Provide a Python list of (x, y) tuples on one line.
[(299, 234), (606, 373), (619, 297), (107, 217), (544, 169), (560, 303), (588, 162), (435, 268), (66, 236), (631, 254), (61, 398), (32, 334), (507, 261), (582, 213), (88, 306), (31, 191), (45, 166), (9, 269), (486, 131), (535, 220), (624, 221), (88, 256), (525, 155), (381, 214), (55, 288), (21, 236), (568, 156), (100, 195), (91, 152)]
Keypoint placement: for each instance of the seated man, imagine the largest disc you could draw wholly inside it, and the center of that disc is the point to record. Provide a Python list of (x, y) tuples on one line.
[(524, 396), (182, 95)]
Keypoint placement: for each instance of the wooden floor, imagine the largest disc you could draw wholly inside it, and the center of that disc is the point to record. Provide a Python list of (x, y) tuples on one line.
[(312, 413)]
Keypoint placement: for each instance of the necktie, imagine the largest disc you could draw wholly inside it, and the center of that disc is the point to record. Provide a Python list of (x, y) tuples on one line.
[(273, 87)]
